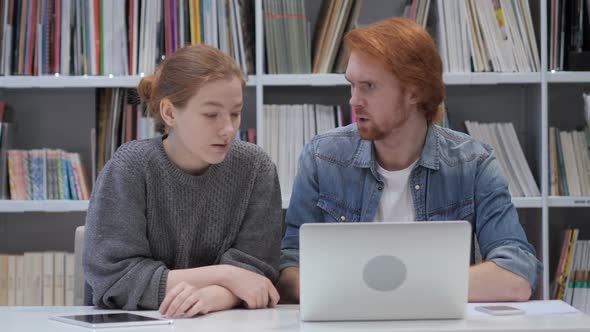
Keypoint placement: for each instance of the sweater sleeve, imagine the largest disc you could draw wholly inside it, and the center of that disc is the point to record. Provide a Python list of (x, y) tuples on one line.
[(257, 246), (118, 263)]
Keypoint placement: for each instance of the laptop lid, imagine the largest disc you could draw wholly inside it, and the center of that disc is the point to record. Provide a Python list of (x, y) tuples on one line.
[(379, 271)]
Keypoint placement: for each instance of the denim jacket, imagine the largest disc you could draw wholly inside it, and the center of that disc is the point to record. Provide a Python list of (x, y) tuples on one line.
[(456, 178)]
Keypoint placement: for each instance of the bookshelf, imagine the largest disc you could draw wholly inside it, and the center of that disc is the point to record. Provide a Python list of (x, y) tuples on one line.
[(527, 202), (28, 82), (519, 202), (491, 78), (450, 79), (15, 82), (532, 101), (568, 202), (303, 80), (568, 77), (7, 206)]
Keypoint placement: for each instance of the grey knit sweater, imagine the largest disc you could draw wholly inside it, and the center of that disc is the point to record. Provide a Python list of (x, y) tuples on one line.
[(147, 217)]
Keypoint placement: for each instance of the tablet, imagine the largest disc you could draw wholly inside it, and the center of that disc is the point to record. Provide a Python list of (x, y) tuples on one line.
[(500, 310), (119, 319)]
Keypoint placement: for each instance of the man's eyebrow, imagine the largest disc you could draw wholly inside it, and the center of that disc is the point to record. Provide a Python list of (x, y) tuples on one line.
[(361, 82)]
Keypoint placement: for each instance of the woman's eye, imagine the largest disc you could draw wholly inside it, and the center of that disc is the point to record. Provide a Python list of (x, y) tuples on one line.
[(211, 115), (235, 115)]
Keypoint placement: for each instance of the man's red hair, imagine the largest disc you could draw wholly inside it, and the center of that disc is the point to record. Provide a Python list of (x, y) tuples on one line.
[(409, 53)]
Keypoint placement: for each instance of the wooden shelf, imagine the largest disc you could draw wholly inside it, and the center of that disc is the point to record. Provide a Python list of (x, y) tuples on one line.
[(527, 202), (304, 79), (78, 81), (491, 78), (450, 79), (15, 82), (519, 202), (73, 206), (568, 77), (568, 201), (43, 206)]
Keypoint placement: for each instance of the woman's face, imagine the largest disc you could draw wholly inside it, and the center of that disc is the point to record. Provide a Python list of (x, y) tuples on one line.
[(208, 124)]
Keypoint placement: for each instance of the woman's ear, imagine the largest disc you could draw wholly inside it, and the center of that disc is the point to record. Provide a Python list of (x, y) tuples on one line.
[(167, 112)]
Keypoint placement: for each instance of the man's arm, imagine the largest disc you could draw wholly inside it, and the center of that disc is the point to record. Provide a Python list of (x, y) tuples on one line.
[(490, 283), (302, 208), (511, 270), (288, 285)]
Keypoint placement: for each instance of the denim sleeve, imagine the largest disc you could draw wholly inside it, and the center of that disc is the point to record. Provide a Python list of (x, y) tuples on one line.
[(302, 206), (501, 237)]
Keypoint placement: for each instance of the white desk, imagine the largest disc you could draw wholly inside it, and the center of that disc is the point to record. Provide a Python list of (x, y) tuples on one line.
[(285, 318)]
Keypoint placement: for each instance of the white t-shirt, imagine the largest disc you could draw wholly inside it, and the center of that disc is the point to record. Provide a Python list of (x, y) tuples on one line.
[(396, 200)]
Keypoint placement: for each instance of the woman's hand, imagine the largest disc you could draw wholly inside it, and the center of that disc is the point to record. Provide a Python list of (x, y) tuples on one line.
[(185, 300), (255, 290)]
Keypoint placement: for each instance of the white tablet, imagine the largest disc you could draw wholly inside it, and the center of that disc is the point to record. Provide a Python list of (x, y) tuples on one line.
[(120, 319)]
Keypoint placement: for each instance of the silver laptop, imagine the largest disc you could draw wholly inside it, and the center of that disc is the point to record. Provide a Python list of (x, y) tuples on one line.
[(384, 271)]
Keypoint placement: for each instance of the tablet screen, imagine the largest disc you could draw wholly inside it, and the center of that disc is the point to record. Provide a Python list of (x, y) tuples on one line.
[(111, 320)]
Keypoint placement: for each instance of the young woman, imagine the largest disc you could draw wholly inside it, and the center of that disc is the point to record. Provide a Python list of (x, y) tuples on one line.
[(190, 222)]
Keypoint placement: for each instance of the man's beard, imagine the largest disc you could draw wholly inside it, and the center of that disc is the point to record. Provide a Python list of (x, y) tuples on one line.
[(371, 133)]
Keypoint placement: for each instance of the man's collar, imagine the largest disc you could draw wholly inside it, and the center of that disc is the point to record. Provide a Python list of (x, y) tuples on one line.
[(430, 152), (365, 154)]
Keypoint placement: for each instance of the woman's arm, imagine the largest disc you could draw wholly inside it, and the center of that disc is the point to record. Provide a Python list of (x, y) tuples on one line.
[(257, 245), (118, 263)]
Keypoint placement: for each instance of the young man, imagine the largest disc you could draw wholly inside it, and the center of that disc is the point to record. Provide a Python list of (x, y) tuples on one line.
[(395, 165)]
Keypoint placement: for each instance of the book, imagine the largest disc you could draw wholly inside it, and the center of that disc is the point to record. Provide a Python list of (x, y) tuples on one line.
[(20, 280), (6, 143), (69, 281), (59, 270), (33, 279), (48, 278), (4, 276), (12, 280)]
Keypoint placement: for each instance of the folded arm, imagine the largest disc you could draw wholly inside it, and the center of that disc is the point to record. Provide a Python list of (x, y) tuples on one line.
[(117, 259), (511, 270), (302, 208)]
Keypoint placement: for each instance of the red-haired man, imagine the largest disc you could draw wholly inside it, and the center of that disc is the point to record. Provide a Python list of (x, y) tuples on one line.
[(395, 165)]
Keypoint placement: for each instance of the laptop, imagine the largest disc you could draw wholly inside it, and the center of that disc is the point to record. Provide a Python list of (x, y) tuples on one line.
[(384, 271)]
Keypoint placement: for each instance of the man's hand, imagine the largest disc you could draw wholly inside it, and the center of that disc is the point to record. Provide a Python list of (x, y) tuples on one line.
[(185, 300), (288, 285), (255, 290)]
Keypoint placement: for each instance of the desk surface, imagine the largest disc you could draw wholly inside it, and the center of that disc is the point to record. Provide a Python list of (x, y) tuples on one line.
[(286, 318)]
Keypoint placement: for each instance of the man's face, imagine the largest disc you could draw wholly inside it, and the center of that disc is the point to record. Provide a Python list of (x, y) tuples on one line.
[(381, 104)]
